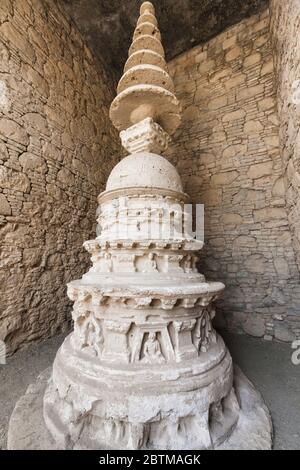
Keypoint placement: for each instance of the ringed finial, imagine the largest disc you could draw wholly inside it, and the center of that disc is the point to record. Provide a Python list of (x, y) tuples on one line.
[(145, 89)]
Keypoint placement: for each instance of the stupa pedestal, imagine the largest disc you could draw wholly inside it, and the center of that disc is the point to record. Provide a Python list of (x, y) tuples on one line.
[(143, 368)]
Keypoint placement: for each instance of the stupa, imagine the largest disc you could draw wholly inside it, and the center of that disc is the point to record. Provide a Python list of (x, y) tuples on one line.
[(144, 367)]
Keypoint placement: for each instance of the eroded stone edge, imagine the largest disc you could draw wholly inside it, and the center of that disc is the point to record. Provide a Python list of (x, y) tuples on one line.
[(254, 431)]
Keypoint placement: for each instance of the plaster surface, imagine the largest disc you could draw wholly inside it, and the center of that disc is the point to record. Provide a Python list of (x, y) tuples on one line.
[(28, 431), (255, 356)]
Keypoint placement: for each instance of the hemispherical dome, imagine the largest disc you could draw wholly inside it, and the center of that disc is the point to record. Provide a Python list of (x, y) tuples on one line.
[(144, 170)]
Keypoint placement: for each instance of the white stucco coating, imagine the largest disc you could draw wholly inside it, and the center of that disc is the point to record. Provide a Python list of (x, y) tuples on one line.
[(144, 170)]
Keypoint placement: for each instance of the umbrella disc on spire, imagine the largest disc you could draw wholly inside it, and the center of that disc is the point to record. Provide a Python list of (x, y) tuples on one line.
[(146, 90)]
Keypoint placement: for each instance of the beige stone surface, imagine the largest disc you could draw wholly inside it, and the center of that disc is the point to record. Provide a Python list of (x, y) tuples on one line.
[(229, 140), (54, 158), (285, 32)]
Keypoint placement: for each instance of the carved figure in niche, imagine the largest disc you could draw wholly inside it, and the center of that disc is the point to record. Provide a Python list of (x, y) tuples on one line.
[(96, 260), (195, 259), (95, 336), (205, 334), (107, 263), (152, 351), (151, 264), (187, 264), (88, 333)]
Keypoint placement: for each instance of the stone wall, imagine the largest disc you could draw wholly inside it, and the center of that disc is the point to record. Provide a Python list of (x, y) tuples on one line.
[(227, 151), (285, 30), (57, 147)]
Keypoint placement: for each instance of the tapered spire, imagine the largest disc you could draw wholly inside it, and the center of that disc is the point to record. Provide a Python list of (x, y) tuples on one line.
[(146, 90)]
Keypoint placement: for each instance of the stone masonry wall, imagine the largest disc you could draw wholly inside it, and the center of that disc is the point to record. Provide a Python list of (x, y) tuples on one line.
[(227, 152), (285, 30), (57, 147)]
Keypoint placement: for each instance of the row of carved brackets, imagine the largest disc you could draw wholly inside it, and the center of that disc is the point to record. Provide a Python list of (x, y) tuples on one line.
[(189, 245), (98, 298)]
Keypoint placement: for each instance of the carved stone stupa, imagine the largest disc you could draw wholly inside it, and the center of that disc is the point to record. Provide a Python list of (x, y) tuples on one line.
[(143, 368)]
